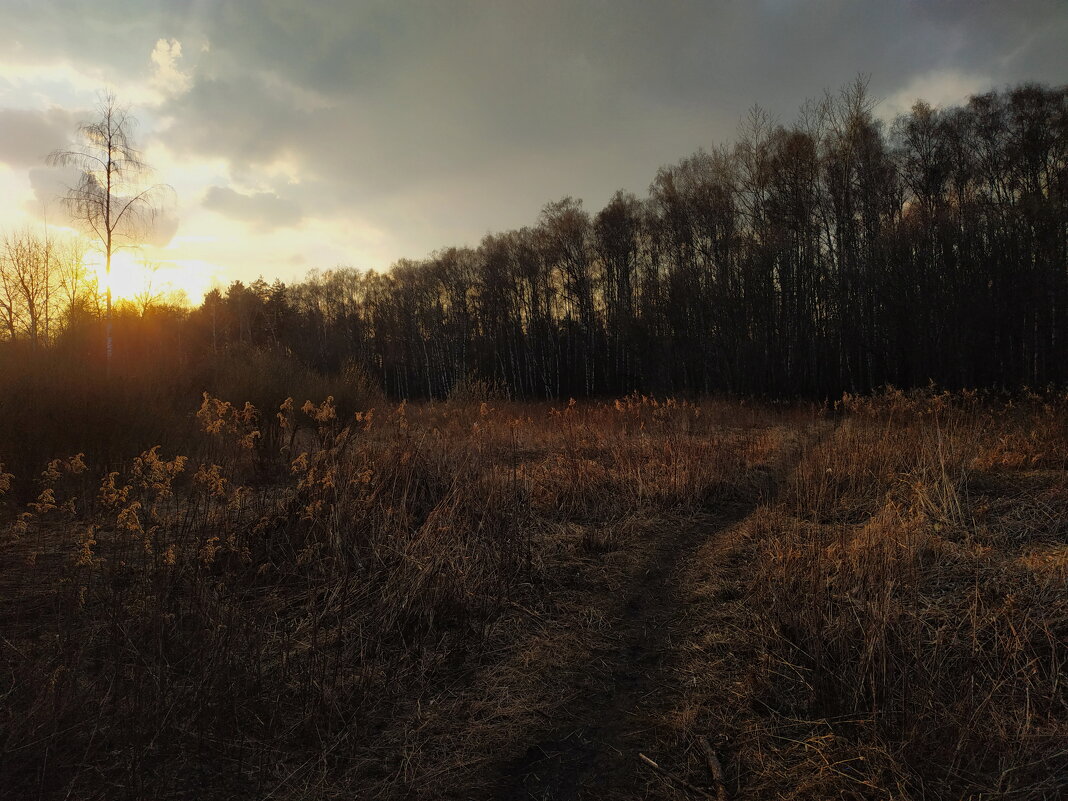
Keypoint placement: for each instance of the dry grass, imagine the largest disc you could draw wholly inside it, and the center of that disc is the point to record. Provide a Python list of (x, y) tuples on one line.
[(262, 618), (901, 618), (405, 602)]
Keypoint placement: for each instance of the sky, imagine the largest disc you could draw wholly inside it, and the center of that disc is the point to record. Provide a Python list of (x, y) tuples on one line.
[(301, 135)]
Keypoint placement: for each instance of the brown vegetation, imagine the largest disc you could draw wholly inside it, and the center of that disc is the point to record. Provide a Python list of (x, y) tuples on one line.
[(480, 598), (900, 614)]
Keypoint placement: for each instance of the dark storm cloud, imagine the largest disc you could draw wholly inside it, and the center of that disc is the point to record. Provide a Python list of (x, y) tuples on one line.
[(27, 136), (264, 209), (438, 121)]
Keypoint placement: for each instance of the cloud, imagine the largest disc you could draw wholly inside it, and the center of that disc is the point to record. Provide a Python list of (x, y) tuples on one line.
[(27, 136), (50, 185), (408, 115), (938, 88), (431, 123), (261, 209), (160, 227), (166, 75)]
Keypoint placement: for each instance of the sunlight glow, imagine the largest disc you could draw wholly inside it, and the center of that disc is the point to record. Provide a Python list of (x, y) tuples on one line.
[(171, 281)]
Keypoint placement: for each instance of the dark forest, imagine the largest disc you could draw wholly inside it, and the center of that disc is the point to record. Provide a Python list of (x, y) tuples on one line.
[(827, 256)]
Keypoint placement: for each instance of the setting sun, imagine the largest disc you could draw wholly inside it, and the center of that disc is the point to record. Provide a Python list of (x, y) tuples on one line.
[(134, 277)]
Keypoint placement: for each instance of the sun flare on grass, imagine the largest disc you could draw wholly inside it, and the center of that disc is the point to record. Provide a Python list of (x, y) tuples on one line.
[(134, 278)]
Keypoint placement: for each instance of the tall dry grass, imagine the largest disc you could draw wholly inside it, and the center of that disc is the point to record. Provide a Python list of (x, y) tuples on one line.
[(298, 604), (63, 400), (909, 600), (241, 619)]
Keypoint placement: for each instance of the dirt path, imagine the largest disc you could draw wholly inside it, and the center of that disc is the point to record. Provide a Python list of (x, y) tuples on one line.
[(620, 700), (613, 704)]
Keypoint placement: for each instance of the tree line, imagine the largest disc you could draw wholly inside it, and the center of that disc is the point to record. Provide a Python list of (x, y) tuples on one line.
[(833, 254)]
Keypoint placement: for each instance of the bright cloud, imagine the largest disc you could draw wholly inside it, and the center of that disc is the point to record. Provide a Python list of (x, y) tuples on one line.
[(166, 75), (938, 88)]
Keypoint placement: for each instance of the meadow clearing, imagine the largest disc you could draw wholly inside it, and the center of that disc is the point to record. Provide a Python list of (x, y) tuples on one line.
[(486, 599), (347, 452)]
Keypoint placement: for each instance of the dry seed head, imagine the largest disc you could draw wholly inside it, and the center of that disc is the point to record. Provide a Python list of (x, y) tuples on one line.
[(157, 474), (111, 495), (45, 502), (129, 519), (239, 497), (300, 464), (21, 526), (208, 550), (211, 479), (84, 555), (213, 413), (322, 413), (51, 473), (248, 414), (285, 414), (328, 477)]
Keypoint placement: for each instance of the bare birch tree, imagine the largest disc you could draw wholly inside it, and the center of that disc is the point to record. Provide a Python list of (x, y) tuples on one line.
[(110, 201)]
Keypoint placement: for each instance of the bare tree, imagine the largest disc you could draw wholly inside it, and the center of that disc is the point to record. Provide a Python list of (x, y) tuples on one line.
[(150, 294), (27, 284), (77, 282), (110, 200)]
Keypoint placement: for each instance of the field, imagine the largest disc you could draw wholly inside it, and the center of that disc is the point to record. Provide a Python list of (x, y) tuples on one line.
[(485, 599)]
